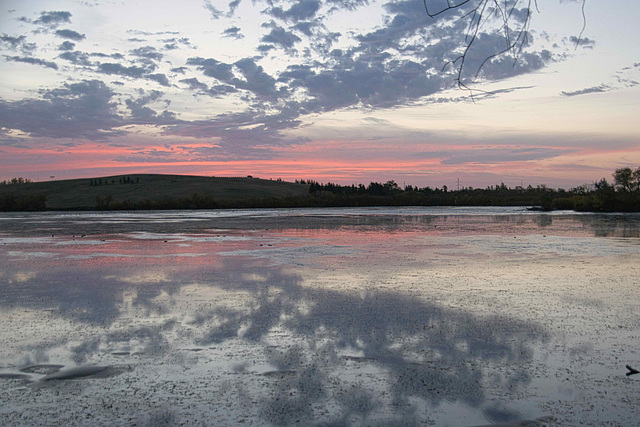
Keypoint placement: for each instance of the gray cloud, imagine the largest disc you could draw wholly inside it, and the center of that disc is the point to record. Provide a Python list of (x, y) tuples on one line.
[(233, 5), (70, 34), (76, 57), (67, 45), (104, 55), (279, 36), (12, 42), (159, 78), (302, 10), (398, 62), (33, 61), (142, 114), (77, 110), (53, 19), (255, 80), (238, 134), (584, 42), (212, 68), (595, 89), (233, 32), (15, 43), (497, 155), (174, 43), (194, 84), (113, 68), (215, 12), (147, 52)]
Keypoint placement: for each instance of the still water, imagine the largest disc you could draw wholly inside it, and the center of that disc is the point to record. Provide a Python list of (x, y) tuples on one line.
[(380, 316)]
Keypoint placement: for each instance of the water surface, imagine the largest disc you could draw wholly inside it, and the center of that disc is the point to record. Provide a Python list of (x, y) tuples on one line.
[(380, 316)]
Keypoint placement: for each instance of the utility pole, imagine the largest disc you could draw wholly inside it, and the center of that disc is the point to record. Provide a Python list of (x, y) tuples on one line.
[(458, 184)]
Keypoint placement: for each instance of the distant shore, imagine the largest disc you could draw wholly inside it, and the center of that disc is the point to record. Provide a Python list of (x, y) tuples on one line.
[(168, 192)]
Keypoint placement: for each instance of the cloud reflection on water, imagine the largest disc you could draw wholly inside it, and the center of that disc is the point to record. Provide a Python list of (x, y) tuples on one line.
[(295, 322), (414, 349)]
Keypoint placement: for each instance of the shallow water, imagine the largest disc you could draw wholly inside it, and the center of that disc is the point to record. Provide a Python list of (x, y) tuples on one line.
[(382, 316)]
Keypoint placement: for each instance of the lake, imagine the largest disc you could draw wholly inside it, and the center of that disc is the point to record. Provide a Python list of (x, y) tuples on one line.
[(372, 316)]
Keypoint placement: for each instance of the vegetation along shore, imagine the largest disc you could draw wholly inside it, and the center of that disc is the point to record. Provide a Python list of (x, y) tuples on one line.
[(150, 191)]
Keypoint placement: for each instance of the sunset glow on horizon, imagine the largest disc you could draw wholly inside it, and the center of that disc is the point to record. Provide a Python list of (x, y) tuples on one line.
[(347, 91)]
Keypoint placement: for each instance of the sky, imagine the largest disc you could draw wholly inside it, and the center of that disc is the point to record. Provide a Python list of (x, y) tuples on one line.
[(347, 91)]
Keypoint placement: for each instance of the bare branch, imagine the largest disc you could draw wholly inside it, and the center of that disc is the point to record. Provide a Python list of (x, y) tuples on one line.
[(481, 14), (584, 24)]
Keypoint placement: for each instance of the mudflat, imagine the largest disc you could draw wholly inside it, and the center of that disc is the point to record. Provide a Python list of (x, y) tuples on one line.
[(410, 316)]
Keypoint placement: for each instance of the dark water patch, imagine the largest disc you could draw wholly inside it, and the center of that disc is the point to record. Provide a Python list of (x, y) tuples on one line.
[(279, 372), (14, 376), (44, 369), (86, 371), (547, 421), (359, 358)]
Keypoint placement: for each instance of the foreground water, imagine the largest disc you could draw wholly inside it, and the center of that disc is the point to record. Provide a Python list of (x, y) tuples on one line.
[(319, 317)]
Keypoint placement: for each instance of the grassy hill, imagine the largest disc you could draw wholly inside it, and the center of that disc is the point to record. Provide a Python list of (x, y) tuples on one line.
[(149, 189)]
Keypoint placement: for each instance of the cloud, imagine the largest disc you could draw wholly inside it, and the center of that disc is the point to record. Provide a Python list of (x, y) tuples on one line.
[(194, 84), (595, 89), (67, 45), (212, 68), (76, 110), (113, 68), (159, 78), (280, 37), (15, 43), (233, 5), (584, 42), (147, 52), (142, 114), (76, 57), (497, 155), (70, 34), (302, 10), (398, 62), (215, 13), (34, 61), (233, 32), (173, 43), (53, 19), (255, 80)]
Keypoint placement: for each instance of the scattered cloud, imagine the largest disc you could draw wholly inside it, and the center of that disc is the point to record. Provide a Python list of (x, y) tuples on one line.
[(595, 89), (17, 43), (33, 61), (66, 45), (147, 52), (233, 32), (583, 42), (53, 19), (70, 34), (76, 57), (499, 155), (302, 10), (279, 36), (215, 12), (113, 68), (159, 78), (76, 110)]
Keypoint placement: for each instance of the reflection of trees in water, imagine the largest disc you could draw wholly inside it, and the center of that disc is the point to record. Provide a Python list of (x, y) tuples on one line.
[(425, 350), (612, 225)]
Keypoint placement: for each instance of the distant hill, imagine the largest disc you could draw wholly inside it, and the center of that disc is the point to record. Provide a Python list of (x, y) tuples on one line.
[(152, 191)]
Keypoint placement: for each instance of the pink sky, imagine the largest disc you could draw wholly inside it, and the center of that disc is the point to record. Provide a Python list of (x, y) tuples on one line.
[(348, 92)]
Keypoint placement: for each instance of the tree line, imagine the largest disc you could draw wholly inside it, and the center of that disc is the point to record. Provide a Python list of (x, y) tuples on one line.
[(621, 195)]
